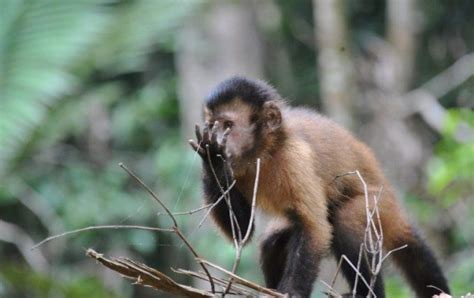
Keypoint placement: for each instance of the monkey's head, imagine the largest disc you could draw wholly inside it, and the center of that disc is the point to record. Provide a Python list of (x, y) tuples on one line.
[(251, 109)]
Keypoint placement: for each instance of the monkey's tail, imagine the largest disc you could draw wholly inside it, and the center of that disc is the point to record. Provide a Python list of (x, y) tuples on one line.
[(420, 267)]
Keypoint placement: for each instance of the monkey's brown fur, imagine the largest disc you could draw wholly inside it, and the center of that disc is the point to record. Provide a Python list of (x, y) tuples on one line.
[(302, 185)]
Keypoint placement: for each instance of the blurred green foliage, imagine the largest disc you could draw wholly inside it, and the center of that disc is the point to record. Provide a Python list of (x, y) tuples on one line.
[(452, 183), (68, 66), (59, 60), (452, 168), (39, 285)]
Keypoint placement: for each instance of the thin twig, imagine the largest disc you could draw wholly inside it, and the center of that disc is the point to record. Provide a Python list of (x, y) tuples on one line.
[(229, 205), (216, 203), (338, 269), (237, 289), (240, 244), (175, 223), (359, 260), (244, 281), (146, 276), (103, 227), (372, 244), (190, 212), (394, 250), (436, 288), (359, 274), (254, 203), (332, 292), (148, 189)]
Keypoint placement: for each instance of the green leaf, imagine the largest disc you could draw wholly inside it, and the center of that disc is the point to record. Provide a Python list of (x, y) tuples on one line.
[(39, 41)]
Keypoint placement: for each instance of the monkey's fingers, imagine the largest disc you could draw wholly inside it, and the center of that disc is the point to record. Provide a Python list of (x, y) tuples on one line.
[(226, 132), (205, 133), (196, 147), (224, 139), (197, 130), (214, 133)]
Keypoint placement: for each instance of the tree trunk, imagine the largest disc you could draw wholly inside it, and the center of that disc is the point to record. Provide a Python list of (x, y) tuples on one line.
[(401, 144), (221, 42), (401, 24), (334, 61)]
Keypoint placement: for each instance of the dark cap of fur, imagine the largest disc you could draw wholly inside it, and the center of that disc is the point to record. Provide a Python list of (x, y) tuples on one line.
[(252, 92)]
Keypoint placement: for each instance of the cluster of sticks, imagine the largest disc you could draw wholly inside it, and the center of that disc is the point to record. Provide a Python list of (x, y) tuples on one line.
[(370, 252), (371, 249), (143, 275)]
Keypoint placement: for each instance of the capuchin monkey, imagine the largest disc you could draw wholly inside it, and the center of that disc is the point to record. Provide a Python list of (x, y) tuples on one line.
[(314, 208)]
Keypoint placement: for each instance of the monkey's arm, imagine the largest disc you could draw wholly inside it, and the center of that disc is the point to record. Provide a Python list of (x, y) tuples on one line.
[(217, 179), (233, 199)]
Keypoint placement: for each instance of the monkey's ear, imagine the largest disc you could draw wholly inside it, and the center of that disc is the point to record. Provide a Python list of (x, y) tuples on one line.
[(272, 115)]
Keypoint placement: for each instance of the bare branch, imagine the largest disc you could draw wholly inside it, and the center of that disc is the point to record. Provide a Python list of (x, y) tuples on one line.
[(372, 244), (236, 289), (254, 203), (227, 199), (146, 276), (394, 250), (239, 244), (332, 292), (190, 212), (359, 260), (104, 227), (359, 274), (244, 281), (175, 223), (216, 203), (338, 269), (153, 195)]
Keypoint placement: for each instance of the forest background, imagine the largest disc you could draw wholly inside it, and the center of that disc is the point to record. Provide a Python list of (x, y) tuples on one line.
[(87, 84)]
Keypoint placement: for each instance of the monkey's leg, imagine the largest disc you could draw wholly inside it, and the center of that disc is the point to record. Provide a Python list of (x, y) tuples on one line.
[(349, 223), (273, 252), (307, 243), (213, 190), (347, 242), (419, 265), (416, 261)]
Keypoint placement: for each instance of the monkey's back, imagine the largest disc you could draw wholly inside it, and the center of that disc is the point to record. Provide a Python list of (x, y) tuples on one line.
[(337, 150)]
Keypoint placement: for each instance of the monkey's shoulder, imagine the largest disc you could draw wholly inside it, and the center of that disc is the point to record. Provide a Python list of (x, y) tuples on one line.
[(333, 149), (313, 126)]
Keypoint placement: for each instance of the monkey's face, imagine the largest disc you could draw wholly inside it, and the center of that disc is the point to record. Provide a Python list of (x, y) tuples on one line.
[(236, 116)]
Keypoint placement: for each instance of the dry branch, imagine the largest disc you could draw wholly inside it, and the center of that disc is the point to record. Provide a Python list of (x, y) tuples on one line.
[(146, 276), (239, 243), (371, 247), (245, 282), (143, 275), (104, 227), (175, 228)]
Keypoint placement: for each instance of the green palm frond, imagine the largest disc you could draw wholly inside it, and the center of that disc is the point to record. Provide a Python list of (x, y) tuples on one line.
[(39, 40), (137, 27)]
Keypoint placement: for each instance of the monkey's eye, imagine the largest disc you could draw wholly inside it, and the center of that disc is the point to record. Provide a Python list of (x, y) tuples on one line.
[(228, 124)]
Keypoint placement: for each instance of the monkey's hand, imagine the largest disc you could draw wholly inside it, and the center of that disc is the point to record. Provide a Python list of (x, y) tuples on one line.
[(207, 145)]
